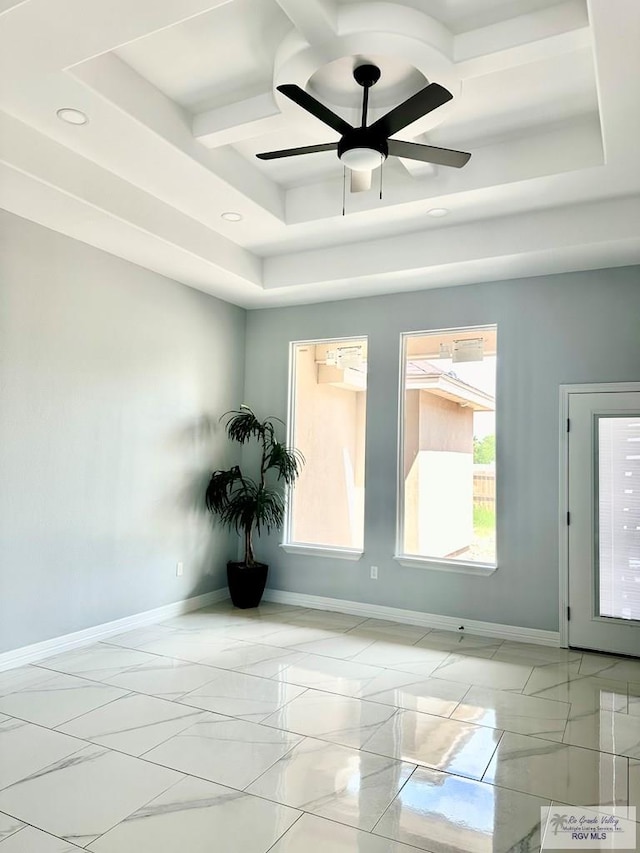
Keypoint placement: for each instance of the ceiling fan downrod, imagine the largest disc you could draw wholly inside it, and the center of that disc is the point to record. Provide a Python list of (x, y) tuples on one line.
[(366, 76), (362, 148)]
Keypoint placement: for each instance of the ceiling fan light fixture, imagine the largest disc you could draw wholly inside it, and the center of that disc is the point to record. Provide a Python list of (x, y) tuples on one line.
[(362, 159)]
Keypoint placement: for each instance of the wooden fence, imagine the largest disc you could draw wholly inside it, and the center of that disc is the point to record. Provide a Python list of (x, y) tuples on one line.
[(484, 488)]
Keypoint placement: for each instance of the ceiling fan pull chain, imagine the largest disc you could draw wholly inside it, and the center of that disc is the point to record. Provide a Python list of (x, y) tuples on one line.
[(344, 189), (381, 168)]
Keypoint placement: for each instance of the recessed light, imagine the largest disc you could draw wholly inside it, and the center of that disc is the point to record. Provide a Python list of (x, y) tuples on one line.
[(438, 212), (72, 116), (231, 216)]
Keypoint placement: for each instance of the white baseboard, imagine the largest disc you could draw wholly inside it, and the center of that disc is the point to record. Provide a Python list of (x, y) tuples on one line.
[(39, 651), (415, 617), (57, 645)]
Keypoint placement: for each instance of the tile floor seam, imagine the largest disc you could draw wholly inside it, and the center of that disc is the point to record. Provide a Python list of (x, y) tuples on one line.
[(524, 687), (280, 837), (579, 746), (84, 713), (137, 808), (155, 746), (87, 743), (342, 823), (57, 726), (184, 775), (84, 745), (404, 784), (400, 625), (243, 790), (266, 770), (486, 769), (27, 825), (495, 651)]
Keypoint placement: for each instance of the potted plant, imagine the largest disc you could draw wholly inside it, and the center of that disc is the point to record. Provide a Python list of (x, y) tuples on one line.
[(247, 504)]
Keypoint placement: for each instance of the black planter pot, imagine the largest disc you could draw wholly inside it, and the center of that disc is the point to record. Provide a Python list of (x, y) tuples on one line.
[(246, 584)]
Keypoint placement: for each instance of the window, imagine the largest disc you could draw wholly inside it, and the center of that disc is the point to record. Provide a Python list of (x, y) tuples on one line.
[(447, 510), (328, 396)]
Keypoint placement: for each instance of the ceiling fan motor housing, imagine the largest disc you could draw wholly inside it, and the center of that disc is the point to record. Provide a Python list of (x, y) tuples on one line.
[(362, 149)]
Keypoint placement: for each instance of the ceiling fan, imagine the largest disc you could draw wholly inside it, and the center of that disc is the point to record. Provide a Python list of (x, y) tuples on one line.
[(364, 148)]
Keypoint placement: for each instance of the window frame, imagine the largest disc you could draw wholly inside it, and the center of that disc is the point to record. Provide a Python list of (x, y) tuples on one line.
[(441, 564), (310, 549)]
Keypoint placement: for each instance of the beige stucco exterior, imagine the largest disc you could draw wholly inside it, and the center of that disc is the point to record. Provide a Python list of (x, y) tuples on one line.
[(438, 466), (330, 416)]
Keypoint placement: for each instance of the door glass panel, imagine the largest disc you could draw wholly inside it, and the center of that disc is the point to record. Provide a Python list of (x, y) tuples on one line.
[(618, 516)]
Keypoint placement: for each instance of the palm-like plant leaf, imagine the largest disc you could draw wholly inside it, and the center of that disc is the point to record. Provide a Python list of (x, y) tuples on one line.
[(269, 509), (239, 512), (220, 488), (287, 462), (243, 425), (252, 505)]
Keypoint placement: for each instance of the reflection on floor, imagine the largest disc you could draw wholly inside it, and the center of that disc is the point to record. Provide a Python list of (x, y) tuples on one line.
[(299, 731)]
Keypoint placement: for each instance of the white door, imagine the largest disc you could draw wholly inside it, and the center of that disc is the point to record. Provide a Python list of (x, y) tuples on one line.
[(604, 521)]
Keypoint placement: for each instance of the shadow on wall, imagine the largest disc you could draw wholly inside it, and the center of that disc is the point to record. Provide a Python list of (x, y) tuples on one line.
[(186, 527)]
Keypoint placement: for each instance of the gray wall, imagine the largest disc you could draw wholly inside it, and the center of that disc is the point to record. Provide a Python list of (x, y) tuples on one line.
[(110, 380), (580, 327)]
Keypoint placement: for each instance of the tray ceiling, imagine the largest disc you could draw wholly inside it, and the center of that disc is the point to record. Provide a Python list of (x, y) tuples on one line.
[(180, 96)]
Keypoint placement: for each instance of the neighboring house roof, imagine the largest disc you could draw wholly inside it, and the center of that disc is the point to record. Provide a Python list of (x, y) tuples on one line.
[(425, 376)]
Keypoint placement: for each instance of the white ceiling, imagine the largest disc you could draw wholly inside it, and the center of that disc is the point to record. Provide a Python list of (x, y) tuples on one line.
[(180, 96)]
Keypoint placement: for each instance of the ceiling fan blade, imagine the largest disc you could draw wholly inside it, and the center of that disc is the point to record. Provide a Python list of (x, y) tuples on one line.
[(418, 105), (293, 152), (360, 181), (313, 106), (428, 153)]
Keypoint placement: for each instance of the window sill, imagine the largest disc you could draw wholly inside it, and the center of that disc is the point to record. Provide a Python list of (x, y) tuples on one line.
[(323, 551), (478, 569)]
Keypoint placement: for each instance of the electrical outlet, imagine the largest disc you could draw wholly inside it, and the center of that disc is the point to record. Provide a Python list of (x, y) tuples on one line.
[(179, 570), (374, 573)]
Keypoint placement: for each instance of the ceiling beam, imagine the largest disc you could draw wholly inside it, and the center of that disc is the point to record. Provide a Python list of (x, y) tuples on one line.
[(540, 25), (141, 107), (315, 20), (240, 120), (542, 50)]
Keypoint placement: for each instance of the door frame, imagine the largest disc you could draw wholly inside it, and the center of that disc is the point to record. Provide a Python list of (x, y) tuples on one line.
[(566, 391)]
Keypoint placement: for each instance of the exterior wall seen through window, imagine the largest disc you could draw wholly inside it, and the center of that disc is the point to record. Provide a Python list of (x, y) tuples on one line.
[(328, 425), (447, 483)]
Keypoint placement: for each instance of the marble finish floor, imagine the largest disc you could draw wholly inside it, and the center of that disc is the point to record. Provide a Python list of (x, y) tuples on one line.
[(299, 731)]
